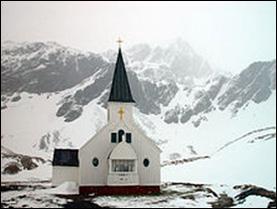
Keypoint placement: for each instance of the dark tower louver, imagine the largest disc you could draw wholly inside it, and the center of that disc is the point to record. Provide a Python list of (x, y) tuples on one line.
[(120, 90)]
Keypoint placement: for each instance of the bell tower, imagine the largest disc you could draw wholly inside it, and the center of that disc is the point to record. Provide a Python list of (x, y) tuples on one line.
[(120, 103)]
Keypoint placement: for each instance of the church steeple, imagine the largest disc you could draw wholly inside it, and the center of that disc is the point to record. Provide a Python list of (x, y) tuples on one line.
[(120, 90)]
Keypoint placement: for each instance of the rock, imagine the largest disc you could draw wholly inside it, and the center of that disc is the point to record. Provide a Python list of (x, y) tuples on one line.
[(216, 86), (28, 163), (44, 142), (261, 95), (253, 83), (186, 115), (64, 109), (272, 204), (16, 98), (223, 201), (12, 168), (248, 190), (197, 122), (73, 114), (199, 94), (172, 116), (192, 150), (202, 104), (45, 67)]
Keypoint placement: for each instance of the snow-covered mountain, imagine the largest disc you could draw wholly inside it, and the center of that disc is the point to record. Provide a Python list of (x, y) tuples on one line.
[(53, 95), (254, 84)]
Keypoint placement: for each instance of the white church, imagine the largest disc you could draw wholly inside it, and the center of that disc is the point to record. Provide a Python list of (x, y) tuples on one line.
[(120, 158)]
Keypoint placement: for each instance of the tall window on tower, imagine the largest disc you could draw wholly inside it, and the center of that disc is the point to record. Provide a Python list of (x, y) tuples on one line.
[(129, 138), (113, 138), (120, 135), (123, 165)]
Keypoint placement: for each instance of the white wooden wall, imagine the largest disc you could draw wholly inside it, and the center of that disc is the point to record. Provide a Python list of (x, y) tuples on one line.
[(100, 146), (61, 174)]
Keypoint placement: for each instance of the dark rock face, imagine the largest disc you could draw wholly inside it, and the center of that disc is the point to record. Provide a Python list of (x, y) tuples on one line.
[(84, 96), (12, 168), (223, 201), (50, 140), (172, 116), (198, 121), (261, 95), (65, 108), (252, 190), (16, 98), (254, 83), (28, 163), (148, 95), (49, 67), (202, 104), (18, 162), (186, 115), (41, 67), (73, 114), (44, 141), (216, 86)]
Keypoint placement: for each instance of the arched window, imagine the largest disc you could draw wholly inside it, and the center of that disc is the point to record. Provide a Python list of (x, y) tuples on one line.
[(120, 134)]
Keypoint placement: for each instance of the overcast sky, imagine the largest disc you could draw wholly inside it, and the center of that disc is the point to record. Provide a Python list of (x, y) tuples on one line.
[(230, 35)]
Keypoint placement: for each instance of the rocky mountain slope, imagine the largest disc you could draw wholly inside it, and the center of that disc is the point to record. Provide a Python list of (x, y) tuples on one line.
[(52, 68), (255, 83)]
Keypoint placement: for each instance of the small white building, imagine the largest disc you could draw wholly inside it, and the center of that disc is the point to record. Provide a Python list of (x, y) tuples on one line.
[(120, 158)]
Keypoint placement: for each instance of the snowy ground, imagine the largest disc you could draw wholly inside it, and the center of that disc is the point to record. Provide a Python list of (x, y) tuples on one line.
[(41, 195), (172, 195), (246, 161)]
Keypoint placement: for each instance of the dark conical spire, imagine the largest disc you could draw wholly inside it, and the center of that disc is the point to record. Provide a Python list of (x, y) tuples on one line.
[(120, 90)]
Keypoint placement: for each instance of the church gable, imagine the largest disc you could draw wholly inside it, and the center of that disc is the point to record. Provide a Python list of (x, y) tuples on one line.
[(109, 136), (140, 135)]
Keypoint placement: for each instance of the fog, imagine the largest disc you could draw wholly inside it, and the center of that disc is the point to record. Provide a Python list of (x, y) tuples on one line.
[(230, 35)]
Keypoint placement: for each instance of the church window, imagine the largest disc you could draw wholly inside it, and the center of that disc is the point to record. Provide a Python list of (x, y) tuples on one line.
[(123, 165), (129, 138), (95, 162), (113, 138), (146, 162), (120, 134)]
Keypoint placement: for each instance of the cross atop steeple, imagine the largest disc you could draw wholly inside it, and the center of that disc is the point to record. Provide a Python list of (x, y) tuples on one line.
[(119, 41)]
